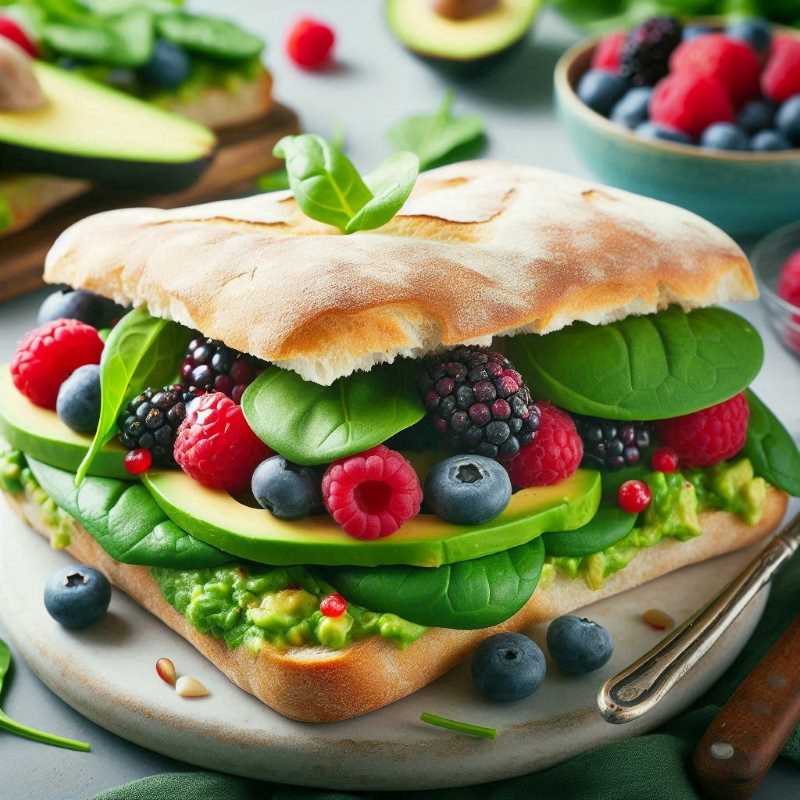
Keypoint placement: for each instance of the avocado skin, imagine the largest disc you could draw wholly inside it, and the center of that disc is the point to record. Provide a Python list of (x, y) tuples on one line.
[(117, 173)]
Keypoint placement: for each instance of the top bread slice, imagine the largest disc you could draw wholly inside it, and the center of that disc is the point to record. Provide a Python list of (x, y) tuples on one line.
[(480, 249)]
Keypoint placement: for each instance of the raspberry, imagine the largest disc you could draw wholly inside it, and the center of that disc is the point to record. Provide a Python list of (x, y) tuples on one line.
[(789, 282), (552, 456), (732, 62), (48, 355), (690, 103), (334, 605), (608, 53), (310, 43), (215, 445), (707, 437), (645, 55), (10, 29), (372, 494), (665, 459), (781, 77), (634, 496)]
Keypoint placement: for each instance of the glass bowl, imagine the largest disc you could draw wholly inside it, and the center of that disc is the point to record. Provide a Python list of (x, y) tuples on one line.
[(768, 258)]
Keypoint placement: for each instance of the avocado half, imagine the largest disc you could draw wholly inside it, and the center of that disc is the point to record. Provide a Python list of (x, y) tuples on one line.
[(93, 132), (480, 38)]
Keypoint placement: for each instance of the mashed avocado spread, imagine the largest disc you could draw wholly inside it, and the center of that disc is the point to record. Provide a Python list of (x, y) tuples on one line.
[(678, 500)]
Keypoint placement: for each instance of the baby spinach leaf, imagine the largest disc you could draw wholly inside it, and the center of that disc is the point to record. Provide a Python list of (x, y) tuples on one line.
[(211, 36), (434, 138), (312, 424), (328, 188), (125, 521), (141, 351), (607, 527), (647, 367), (18, 729), (771, 449), (391, 184), (466, 595)]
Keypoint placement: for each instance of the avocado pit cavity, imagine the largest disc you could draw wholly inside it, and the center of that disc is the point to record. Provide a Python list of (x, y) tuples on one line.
[(19, 87), (463, 9)]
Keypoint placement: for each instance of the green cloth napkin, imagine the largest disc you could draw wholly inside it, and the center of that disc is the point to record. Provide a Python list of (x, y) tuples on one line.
[(654, 766)]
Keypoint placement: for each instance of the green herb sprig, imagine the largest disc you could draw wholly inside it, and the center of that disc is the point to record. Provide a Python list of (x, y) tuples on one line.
[(18, 729), (468, 728), (329, 189)]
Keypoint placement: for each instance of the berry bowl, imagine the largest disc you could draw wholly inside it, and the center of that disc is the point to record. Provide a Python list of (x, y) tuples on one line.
[(746, 193), (776, 261)]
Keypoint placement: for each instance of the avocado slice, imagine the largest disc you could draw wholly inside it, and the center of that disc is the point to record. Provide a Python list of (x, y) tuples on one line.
[(87, 130), (39, 433), (419, 27), (425, 541)]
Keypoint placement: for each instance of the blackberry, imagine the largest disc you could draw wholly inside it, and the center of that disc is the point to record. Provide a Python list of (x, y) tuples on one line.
[(480, 402), (211, 365), (611, 445), (151, 420), (646, 52)]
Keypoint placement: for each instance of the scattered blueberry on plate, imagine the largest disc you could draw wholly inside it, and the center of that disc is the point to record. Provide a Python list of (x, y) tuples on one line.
[(508, 667), (578, 645), (77, 596)]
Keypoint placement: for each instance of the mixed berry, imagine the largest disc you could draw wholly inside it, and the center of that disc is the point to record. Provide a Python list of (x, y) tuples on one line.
[(731, 89), (789, 290), (211, 366), (612, 445)]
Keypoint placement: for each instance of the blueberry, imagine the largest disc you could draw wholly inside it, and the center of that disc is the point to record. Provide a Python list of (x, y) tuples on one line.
[(169, 66), (756, 32), (634, 108), (578, 645), (78, 304), (507, 667), (724, 136), (78, 402), (788, 119), (288, 491), (757, 115), (77, 596), (652, 130), (467, 489), (770, 141), (694, 31), (600, 90)]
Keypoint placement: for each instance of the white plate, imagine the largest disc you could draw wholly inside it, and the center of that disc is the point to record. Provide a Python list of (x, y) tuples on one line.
[(107, 673)]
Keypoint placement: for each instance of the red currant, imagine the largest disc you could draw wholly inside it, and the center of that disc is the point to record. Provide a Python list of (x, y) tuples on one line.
[(9, 29), (138, 461), (665, 459), (634, 496), (334, 605), (310, 43)]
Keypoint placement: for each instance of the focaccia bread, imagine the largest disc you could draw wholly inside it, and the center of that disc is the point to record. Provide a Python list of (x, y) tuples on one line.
[(480, 249)]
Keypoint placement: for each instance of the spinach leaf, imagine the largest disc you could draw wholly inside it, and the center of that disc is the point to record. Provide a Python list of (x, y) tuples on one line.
[(18, 729), (466, 595), (771, 449), (211, 36), (436, 138), (275, 181), (607, 527), (648, 367), (328, 188), (126, 522), (141, 351), (312, 424)]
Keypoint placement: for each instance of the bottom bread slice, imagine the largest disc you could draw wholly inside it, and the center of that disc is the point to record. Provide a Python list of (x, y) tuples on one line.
[(314, 684)]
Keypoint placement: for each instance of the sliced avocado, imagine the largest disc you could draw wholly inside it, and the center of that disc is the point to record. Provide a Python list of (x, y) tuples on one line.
[(91, 131), (421, 28), (425, 541), (39, 433)]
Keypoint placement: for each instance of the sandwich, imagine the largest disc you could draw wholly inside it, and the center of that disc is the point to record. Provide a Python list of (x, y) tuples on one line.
[(335, 464), (204, 68)]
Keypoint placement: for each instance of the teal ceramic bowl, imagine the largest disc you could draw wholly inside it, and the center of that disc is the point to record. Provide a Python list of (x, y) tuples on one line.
[(746, 194)]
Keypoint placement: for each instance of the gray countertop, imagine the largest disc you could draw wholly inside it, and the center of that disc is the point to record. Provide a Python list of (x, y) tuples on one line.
[(374, 83)]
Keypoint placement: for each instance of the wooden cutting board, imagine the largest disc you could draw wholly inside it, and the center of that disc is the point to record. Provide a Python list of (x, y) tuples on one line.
[(243, 155)]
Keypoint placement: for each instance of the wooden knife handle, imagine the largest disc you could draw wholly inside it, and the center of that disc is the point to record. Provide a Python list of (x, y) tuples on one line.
[(750, 731)]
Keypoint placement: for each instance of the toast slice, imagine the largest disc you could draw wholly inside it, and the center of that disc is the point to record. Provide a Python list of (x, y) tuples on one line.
[(314, 684)]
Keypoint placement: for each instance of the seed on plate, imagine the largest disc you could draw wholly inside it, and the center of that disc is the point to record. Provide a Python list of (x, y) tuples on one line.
[(658, 619), (166, 671), (187, 686)]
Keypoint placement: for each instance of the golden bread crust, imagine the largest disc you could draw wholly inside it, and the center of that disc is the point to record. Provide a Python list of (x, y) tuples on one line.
[(319, 685), (480, 249)]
